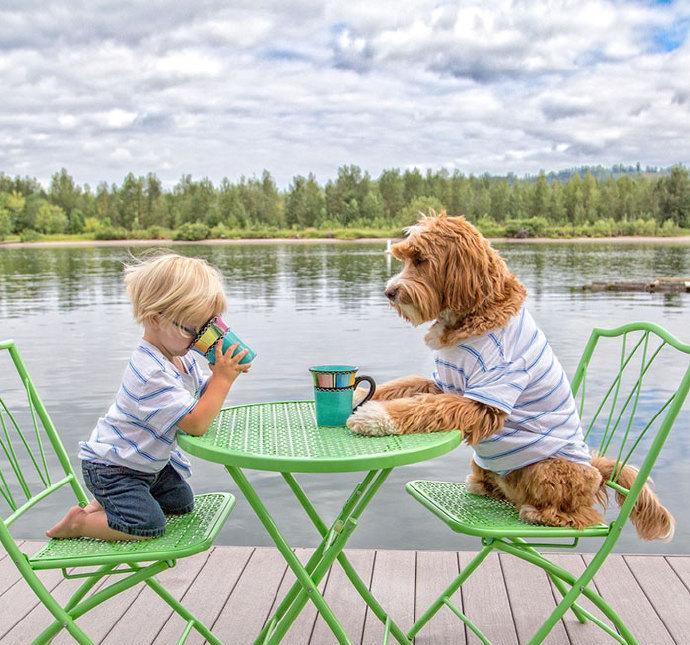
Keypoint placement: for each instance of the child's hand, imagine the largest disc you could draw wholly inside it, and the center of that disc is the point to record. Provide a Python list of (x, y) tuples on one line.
[(227, 365)]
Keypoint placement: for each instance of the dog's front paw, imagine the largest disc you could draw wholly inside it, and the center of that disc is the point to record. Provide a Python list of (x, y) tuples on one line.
[(372, 419)]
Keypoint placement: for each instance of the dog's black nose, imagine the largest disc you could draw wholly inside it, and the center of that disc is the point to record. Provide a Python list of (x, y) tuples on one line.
[(391, 292)]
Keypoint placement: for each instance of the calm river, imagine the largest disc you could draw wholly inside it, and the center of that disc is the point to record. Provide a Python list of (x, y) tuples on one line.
[(303, 304)]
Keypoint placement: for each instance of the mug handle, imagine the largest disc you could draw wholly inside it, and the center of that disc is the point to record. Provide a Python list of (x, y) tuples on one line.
[(372, 389)]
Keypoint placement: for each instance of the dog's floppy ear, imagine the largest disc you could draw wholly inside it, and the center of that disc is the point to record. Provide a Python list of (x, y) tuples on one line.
[(468, 267)]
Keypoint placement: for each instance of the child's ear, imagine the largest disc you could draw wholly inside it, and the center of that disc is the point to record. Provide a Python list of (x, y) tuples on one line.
[(154, 320)]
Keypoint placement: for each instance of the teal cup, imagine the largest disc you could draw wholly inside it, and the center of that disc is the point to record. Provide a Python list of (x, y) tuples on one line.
[(334, 388), (229, 339)]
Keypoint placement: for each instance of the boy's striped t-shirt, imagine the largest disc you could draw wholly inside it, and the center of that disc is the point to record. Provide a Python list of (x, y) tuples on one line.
[(514, 369), (139, 430)]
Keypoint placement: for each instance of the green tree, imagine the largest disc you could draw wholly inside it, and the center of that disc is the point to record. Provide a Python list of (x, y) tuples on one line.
[(5, 223), (414, 185), (372, 211), (499, 198), (460, 194), (51, 219), (418, 207), (590, 198), (674, 196), (305, 203), (346, 193), (63, 192), (230, 206), (75, 221), (556, 212), (572, 198), (272, 203), (131, 203), (14, 203), (540, 197), (392, 190)]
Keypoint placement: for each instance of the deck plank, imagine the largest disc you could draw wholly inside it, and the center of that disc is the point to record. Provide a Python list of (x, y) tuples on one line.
[(234, 588), (665, 591), (681, 565), (618, 586), (300, 631), (344, 600), (100, 621), (531, 600), (208, 594), (392, 584), (16, 594), (3, 553), (435, 571), (579, 634), (142, 621), (246, 610), (485, 601)]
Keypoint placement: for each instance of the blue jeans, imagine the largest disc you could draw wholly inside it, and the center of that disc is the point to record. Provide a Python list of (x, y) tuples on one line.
[(135, 502)]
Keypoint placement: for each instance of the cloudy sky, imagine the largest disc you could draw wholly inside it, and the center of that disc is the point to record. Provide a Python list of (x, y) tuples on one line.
[(230, 88)]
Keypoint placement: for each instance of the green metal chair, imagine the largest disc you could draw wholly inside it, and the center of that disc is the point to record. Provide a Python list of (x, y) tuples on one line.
[(25, 480), (623, 426)]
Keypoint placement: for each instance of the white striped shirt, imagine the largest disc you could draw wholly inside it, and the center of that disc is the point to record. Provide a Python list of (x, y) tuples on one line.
[(139, 430), (514, 369)]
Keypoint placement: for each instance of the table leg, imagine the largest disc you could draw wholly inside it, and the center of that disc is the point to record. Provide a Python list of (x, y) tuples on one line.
[(349, 570), (303, 577), (330, 548), (323, 530)]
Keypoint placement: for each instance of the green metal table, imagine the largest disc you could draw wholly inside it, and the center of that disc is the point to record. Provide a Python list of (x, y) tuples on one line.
[(284, 437)]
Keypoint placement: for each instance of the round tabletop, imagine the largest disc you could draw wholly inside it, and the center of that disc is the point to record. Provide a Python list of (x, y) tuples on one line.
[(284, 437)]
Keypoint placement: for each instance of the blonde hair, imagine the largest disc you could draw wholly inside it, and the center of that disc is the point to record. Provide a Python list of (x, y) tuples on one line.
[(185, 290)]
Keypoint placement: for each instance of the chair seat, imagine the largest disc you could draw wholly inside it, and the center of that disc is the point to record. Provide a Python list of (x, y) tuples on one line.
[(184, 535), (485, 516)]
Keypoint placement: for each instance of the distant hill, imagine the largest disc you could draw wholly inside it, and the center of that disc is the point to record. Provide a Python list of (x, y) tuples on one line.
[(603, 172)]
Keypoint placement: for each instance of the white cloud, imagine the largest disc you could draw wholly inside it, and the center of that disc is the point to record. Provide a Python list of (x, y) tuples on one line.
[(218, 90), (115, 118)]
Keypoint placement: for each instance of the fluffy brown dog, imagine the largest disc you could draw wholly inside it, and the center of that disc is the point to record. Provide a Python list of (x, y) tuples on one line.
[(453, 276)]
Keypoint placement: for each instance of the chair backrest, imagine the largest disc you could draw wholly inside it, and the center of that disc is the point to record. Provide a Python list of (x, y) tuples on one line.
[(29, 445), (645, 382)]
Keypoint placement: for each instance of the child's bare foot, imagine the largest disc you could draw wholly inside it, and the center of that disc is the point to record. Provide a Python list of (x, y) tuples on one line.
[(92, 507), (68, 526)]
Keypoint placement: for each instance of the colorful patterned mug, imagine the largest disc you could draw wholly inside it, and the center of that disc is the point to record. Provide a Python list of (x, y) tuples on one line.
[(334, 387), (211, 332)]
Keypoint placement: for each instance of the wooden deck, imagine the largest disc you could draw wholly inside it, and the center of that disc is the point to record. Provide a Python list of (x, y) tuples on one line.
[(234, 589)]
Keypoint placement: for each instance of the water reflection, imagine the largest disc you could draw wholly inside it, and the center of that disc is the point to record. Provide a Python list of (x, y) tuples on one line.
[(302, 304)]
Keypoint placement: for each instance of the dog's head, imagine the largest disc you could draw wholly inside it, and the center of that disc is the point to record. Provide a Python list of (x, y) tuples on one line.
[(450, 270)]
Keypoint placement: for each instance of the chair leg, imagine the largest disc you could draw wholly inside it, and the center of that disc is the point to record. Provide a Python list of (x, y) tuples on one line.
[(62, 618), (445, 596), (97, 598), (579, 586), (87, 585), (558, 583), (182, 611)]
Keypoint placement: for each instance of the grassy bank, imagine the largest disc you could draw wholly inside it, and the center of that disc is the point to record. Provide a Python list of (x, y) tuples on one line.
[(531, 228)]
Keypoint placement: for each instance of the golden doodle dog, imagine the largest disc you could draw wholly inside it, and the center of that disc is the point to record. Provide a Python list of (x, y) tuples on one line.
[(497, 380)]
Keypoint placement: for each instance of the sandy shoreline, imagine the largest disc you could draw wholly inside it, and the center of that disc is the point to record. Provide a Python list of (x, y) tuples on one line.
[(681, 240)]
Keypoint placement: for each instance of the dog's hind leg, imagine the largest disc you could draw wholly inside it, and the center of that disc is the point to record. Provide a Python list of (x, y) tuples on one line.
[(482, 482), (555, 492), (578, 518)]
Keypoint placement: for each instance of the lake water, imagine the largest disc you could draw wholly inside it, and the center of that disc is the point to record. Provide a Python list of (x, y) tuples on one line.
[(303, 304)]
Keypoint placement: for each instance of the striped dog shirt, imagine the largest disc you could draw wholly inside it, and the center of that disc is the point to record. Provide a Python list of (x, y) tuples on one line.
[(514, 370)]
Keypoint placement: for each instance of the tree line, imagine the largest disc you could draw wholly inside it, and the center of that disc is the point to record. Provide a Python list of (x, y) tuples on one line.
[(353, 199)]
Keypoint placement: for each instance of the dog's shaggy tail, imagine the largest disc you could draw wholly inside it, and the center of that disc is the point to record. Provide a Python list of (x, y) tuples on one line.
[(651, 518)]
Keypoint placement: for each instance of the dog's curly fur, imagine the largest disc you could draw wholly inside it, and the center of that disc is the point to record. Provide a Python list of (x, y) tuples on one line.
[(454, 277)]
